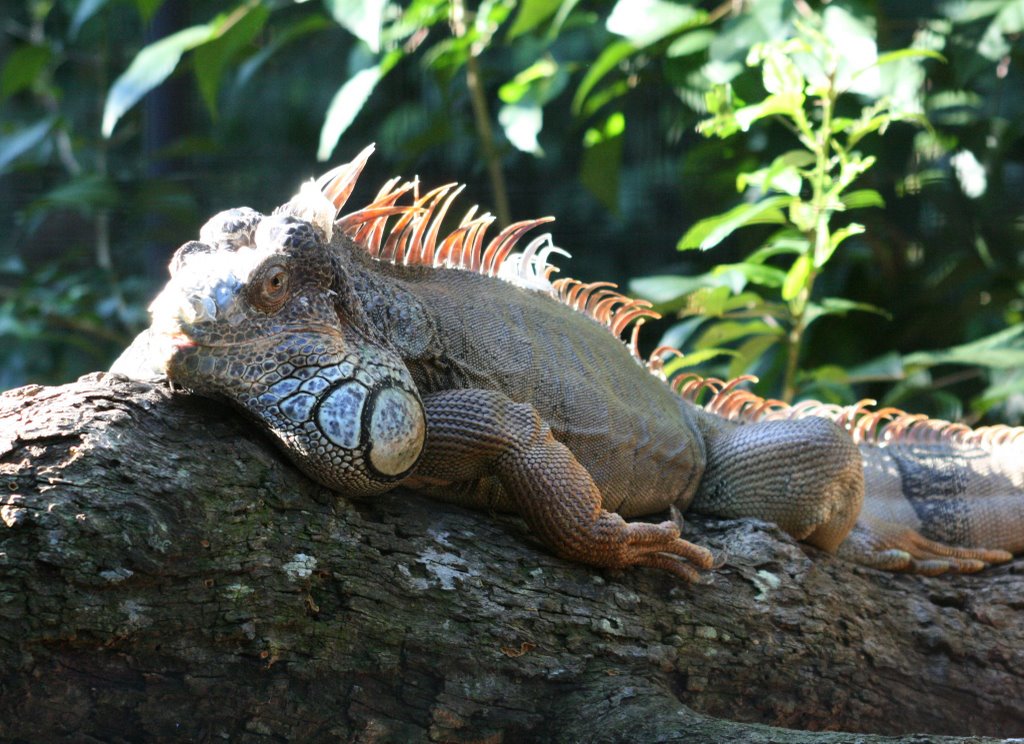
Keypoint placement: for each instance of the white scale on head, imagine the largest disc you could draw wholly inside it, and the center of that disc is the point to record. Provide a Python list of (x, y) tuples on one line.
[(206, 286)]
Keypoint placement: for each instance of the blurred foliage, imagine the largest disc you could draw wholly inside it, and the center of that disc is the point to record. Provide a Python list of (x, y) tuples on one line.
[(124, 123)]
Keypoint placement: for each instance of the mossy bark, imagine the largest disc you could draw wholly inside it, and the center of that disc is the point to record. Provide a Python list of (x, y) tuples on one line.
[(166, 574)]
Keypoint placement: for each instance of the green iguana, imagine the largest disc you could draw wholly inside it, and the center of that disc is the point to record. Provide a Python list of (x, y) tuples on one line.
[(380, 353)]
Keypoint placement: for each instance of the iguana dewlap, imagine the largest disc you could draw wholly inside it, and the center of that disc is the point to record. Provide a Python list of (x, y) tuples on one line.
[(380, 353)]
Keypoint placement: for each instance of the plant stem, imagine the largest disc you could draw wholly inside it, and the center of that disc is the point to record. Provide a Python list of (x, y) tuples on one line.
[(820, 240), (482, 118)]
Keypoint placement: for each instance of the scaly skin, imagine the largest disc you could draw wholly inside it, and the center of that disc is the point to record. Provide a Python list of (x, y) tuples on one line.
[(476, 390)]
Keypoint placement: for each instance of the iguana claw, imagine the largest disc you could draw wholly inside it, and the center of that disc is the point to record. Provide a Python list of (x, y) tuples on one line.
[(892, 547)]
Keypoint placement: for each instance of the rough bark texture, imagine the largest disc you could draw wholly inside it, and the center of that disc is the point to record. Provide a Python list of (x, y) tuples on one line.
[(166, 574)]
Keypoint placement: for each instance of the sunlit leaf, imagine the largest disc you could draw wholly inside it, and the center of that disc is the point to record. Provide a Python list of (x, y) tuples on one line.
[(862, 198), (711, 231), (780, 75), (796, 277), (151, 66), (13, 146), (835, 239), (644, 22), (233, 33), (605, 63), (857, 68), (537, 84), (790, 103), (344, 107), (349, 101), (531, 14), (522, 124), (361, 17)]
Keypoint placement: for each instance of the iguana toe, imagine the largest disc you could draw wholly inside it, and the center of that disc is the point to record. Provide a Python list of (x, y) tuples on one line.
[(892, 547)]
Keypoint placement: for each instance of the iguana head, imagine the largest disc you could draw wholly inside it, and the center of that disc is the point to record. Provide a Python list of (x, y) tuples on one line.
[(260, 311)]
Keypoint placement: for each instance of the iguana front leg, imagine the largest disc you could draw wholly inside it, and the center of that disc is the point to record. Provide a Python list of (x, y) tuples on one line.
[(476, 434)]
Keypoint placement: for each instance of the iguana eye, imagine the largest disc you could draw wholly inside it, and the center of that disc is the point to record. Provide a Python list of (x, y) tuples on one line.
[(271, 289)]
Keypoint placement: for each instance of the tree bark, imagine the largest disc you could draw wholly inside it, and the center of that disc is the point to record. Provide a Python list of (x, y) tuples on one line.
[(166, 574)]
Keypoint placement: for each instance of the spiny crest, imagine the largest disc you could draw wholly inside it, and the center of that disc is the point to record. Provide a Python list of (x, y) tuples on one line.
[(411, 234), (865, 424), (414, 239)]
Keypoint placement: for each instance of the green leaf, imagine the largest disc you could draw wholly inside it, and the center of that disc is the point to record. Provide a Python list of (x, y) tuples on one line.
[(694, 359), (710, 302), (690, 43), (755, 273), (991, 351), (522, 124), (726, 331), (711, 231), (884, 59), (835, 239), (85, 194), (151, 66), (602, 160), (233, 33), (531, 14), (13, 146), (780, 75), (796, 278), (85, 10), (840, 306), (644, 22), (349, 101), (782, 175), (750, 352), (863, 198), (282, 37), (783, 242), (889, 366), (790, 104), (539, 83), (857, 66), (22, 68), (363, 18), (605, 63), (667, 290)]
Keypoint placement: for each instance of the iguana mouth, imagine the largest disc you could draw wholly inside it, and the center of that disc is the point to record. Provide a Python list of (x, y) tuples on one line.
[(185, 336)]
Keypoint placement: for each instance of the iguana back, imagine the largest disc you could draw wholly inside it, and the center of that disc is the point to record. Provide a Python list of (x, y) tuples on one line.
[(638, 439)]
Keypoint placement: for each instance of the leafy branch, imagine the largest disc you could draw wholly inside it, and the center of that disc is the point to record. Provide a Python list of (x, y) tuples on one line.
[(802, 190)]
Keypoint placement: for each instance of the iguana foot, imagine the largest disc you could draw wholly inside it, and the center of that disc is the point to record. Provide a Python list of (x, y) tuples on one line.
[(646, 544), (892, 547)]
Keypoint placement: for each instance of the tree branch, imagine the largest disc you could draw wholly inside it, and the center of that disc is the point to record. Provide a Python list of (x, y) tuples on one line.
[(164, 568)]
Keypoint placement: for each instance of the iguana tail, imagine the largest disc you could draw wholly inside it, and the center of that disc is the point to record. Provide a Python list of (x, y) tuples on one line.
[(929, 484)]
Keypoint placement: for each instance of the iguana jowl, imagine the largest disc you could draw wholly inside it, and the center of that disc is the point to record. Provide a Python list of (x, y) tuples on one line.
[(380, 353)]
